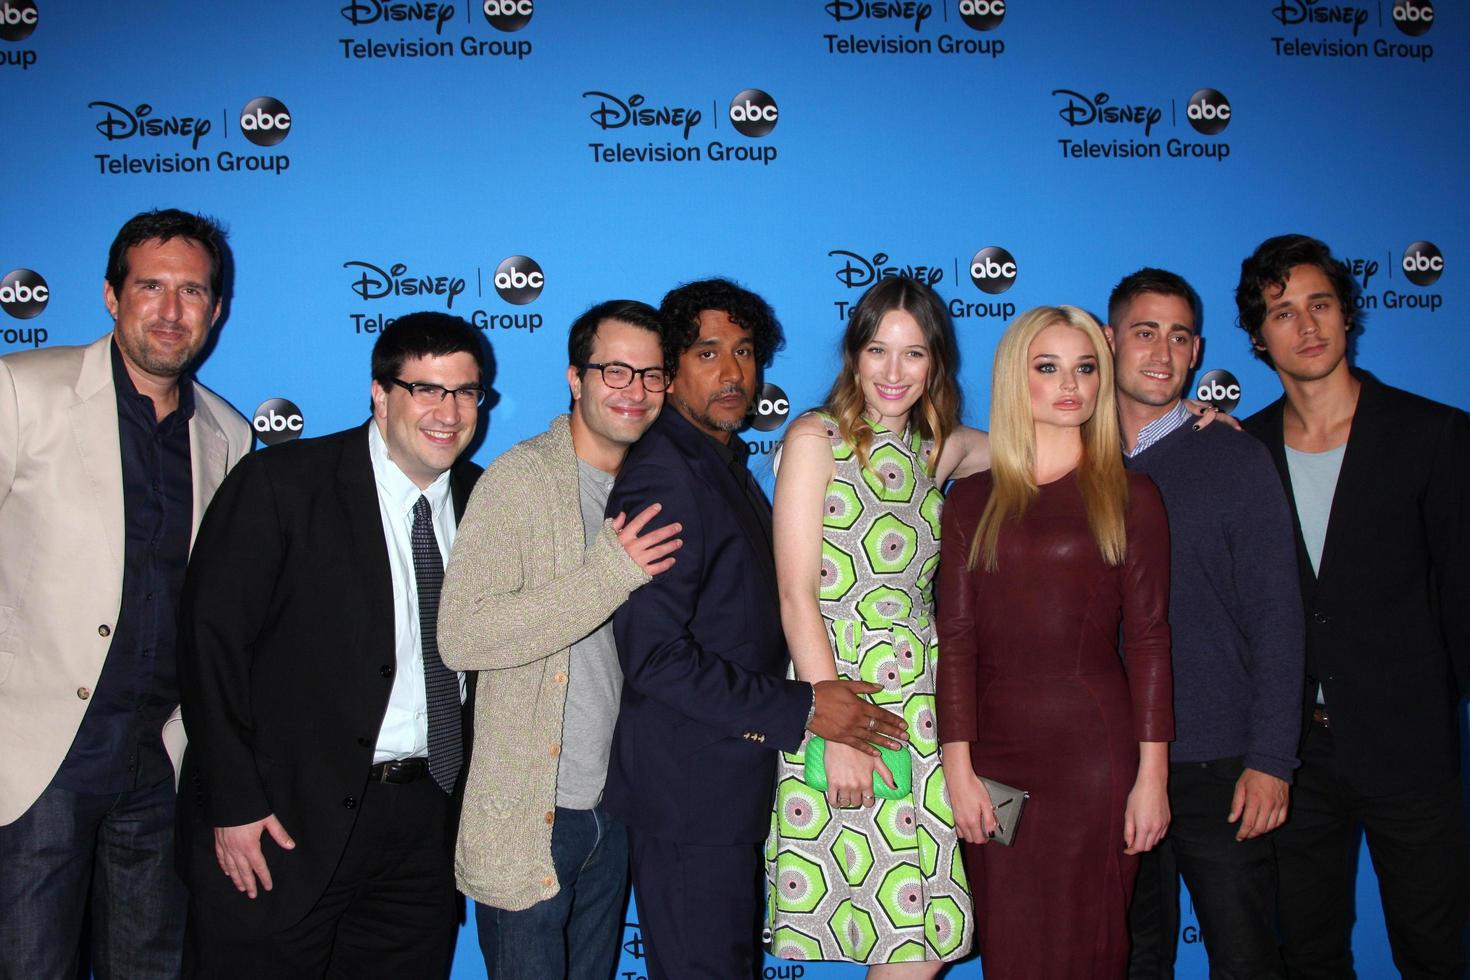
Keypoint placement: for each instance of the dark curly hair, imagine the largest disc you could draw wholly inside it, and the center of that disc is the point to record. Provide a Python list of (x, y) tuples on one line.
[(161, 226), (1270, 266), (682, 305)]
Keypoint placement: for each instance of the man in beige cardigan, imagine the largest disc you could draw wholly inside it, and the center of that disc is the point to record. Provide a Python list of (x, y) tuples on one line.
[(532, 583)]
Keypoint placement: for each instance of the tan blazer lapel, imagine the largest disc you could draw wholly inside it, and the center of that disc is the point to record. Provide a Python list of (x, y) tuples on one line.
[(208, 458), (94, 426)]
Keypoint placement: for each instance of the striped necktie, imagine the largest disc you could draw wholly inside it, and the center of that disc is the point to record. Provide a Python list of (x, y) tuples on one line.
[(441, 685)]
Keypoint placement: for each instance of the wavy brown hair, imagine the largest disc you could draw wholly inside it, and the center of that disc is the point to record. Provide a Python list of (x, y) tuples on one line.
[(937, 411)]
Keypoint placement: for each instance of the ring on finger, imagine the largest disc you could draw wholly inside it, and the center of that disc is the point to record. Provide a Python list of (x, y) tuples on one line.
[(872, 723)]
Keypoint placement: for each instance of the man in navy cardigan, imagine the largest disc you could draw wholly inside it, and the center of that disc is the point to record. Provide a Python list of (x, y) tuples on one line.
[(1236, 620), (706, 703)]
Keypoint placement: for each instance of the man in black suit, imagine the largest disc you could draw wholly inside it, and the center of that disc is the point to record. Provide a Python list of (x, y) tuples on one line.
[(705, 701), (1379, 480), (316, 810)]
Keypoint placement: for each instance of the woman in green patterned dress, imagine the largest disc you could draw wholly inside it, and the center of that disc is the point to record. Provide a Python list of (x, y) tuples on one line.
[(851, 877)]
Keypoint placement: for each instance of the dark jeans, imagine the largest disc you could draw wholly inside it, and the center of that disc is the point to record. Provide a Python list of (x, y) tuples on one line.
[(390, 909), (699, 907), (118, 846), (1232, 883), (574, 933), (1417, 842)]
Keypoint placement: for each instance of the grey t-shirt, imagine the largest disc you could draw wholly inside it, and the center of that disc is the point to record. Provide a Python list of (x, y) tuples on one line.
[(594, 682), (1313, 483)]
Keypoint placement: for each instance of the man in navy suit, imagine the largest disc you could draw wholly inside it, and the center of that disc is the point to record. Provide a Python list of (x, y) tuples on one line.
[(706, 702)]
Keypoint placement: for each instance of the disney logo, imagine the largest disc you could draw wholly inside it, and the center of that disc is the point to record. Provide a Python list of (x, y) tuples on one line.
[(857, 271), (1290, 12), (117, 123), (613, 113), (375, 283), (841, 10), (1080, 110), (372, 11)]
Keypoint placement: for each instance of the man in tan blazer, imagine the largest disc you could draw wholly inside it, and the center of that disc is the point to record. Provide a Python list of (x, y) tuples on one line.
[(109, 454)]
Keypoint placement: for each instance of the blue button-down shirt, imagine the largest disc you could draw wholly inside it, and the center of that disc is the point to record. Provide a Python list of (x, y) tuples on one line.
[(119, 746)]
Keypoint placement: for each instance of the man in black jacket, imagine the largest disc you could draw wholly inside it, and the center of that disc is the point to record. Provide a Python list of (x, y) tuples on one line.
[(316, 811), (1379, 480)]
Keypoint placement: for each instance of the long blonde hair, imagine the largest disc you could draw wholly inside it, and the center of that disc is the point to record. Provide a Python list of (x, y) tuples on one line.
[(937, 411), (1100, 474)]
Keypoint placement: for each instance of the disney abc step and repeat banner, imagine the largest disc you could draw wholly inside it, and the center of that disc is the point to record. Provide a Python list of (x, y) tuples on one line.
[(513, 161)]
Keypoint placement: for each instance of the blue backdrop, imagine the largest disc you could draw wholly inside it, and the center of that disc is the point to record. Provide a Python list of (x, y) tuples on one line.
[(517, 160)]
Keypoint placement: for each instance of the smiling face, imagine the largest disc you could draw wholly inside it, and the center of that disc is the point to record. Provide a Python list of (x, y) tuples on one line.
[(715, 384), (165, 309), (615, 418), (424, 440), (1154, 348), (1306, 329), (1062, 377), (893, 368)]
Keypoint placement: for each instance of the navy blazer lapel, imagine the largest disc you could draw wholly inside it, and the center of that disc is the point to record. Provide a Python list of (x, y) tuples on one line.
[(705, 460), (363, 524)]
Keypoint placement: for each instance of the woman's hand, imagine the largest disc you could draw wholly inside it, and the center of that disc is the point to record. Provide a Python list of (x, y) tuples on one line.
[(1146, 817), (974, 816), (850, 776)]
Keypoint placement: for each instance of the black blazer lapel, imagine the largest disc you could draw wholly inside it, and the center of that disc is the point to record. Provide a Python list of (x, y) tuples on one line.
[(1269, 430), (1364, 452), (364, 528)]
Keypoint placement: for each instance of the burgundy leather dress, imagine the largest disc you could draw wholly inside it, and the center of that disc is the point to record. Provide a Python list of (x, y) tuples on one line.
[(1030, 676)]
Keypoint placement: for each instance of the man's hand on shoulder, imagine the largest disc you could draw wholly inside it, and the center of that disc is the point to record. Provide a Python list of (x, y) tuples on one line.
[(842, 716), (651, 550), (238, 851), (1259, 804)]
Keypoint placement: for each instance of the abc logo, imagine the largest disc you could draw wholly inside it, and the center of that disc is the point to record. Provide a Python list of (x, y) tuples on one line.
[(18, 19), (1220, 389), (993, 270), (1413, 17), (770, 409), (1209, 111), (265, 121), (508, 15), (277, 420), (1423, 263), (753, 112), (983, 15), (24, 294), (519, 280)]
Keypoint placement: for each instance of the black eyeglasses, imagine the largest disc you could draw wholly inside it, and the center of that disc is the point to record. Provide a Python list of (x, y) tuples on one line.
[(431, 396), (616, 374)]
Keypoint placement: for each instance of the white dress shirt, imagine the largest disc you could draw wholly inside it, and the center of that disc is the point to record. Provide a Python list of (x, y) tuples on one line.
[(405, 730)]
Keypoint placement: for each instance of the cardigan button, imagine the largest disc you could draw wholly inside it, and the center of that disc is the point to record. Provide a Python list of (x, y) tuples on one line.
[(560, 677), (548, 881), (555, 749), (550, 816)]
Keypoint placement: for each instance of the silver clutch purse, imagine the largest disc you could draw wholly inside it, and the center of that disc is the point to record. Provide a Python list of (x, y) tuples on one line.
[(1008, 803)]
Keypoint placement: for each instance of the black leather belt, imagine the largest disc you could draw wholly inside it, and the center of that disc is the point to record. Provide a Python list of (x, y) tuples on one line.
[(399, 771)]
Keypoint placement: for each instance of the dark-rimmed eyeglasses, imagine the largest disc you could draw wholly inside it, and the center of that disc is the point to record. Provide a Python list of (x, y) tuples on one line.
[(616, 374), (431, 395)]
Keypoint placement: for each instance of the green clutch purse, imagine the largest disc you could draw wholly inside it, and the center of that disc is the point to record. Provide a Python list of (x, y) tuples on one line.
[(898, 761)]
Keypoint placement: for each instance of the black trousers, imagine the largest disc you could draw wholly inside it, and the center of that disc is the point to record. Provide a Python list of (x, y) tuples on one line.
[(1232, 883), (1418, 846), (390, 909), (699, 908)]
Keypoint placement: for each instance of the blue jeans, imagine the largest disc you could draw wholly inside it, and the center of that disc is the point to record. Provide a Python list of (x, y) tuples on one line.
[(575, 933), (118, 846)]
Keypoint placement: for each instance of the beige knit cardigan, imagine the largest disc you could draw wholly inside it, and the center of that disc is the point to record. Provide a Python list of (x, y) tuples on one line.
[(521, 587)]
